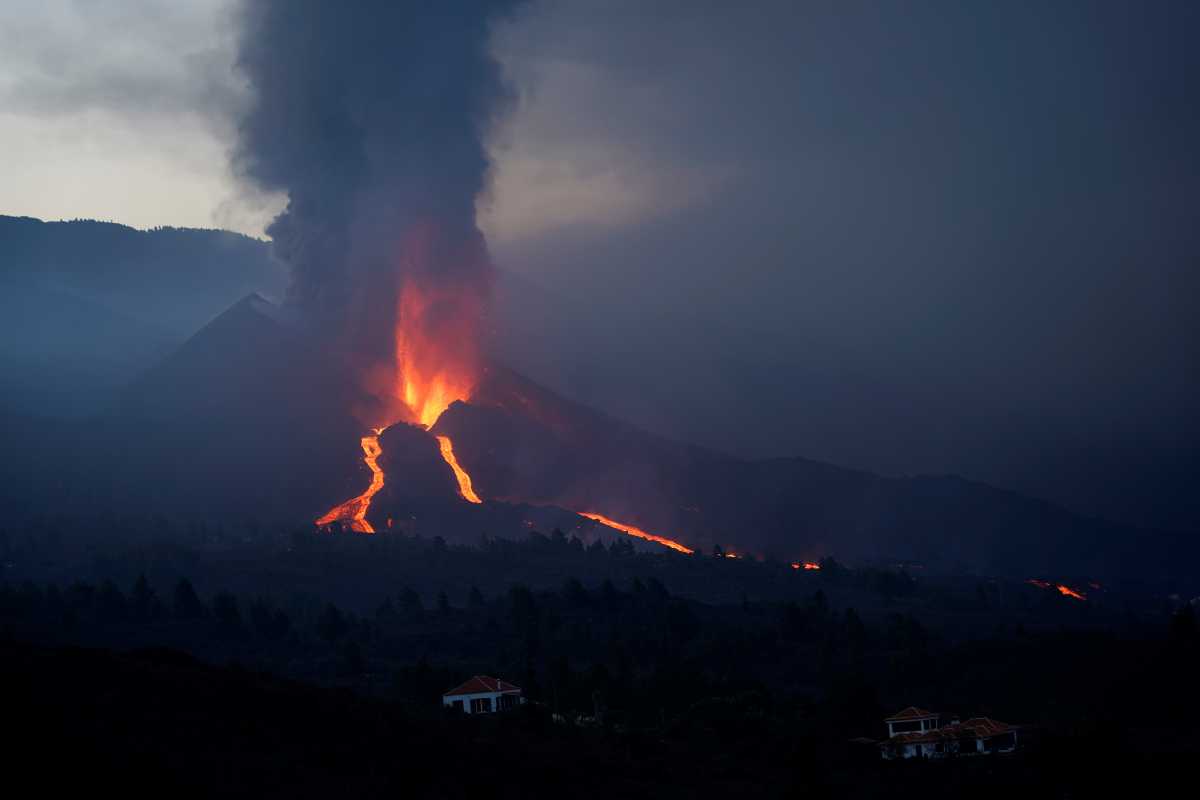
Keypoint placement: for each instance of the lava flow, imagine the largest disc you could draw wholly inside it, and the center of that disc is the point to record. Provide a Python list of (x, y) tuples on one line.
[(1067, 591), (1061, 588), (353, 512), (464, 480), (436, 362), (633, 531)]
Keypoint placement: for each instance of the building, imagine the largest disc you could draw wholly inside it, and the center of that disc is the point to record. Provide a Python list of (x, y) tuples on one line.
[(916, 733), (912, 720), (483, 695)]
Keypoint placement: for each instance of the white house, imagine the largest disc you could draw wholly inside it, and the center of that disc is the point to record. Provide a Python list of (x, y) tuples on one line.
[(483, 695), (916, 733)]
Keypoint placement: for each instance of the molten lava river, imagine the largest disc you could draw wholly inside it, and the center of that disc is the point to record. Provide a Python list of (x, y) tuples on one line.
[(464, 480), (633, 531), (436, 361), (353, 512), (436, 364)]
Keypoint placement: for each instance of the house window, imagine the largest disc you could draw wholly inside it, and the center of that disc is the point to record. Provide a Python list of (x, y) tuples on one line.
[(481, 705), (458, 704), (507, 701)]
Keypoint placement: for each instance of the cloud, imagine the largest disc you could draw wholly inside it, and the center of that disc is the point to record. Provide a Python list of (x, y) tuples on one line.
[(122, 111)]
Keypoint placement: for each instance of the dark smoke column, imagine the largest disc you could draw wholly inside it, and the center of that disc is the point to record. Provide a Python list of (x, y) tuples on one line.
[(371, 117)]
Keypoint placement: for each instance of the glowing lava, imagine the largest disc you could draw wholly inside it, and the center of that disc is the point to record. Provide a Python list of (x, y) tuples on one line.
[(1061, 588), (464, 480), (809, 565), (437, 360), (1067, 591), (633, 531), (353, 512)]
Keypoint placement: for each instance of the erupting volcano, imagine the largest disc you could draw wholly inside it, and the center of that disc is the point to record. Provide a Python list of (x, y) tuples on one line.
[(379, 143)]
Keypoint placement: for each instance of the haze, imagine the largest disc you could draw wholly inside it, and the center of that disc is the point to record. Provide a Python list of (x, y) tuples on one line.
[(957, 237)]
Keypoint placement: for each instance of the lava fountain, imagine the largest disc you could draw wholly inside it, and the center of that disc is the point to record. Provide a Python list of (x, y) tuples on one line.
[(439, 320)]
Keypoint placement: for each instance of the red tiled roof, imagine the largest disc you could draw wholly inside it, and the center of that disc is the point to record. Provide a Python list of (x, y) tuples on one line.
[(974, 728), (482, 684), (912, 712), (985, 726)]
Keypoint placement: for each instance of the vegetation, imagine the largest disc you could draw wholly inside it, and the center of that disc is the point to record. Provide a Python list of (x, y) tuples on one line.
[(637, 687)]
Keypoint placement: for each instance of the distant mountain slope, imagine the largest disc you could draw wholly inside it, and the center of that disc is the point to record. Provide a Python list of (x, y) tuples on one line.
[(62, 354), (251, 419), (522, 442), (246, 419), (85, 306), (174, 278)]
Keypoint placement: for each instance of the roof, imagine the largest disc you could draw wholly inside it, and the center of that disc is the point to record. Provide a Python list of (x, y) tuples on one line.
[(985, 726), (482, 684), (912, 712), (974, 728)]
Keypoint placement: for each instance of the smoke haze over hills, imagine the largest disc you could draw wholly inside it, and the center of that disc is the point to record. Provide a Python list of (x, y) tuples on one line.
[(955, 239)]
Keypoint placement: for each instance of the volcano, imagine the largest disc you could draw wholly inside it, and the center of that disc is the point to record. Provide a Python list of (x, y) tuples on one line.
[(251, 418)]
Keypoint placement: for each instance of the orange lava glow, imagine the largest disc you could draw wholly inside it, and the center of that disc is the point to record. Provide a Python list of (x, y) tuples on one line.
[(353, 512), (1067, 591), (805, 565), (465, 489), (438, 328), (634, 531), (1061, 588)]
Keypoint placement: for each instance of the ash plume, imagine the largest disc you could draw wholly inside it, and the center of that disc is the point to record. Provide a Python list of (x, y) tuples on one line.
[(371, 117)]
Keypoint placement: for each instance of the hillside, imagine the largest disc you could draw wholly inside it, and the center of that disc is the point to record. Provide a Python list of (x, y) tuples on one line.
[(521, 441)]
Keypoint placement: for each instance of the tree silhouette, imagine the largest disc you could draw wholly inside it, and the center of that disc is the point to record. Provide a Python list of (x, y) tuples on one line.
[(332, 625), (187, 603)]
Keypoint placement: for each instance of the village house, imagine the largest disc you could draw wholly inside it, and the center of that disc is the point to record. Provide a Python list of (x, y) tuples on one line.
[(917, 733), (483, 695), (912, 720)]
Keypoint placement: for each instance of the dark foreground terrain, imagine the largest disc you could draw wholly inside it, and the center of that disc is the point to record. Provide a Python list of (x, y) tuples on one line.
[(158, 721), (271, 664)]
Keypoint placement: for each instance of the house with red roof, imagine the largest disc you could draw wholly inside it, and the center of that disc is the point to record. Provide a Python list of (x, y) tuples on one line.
[(912, 720), (917, 733), (483, 694)]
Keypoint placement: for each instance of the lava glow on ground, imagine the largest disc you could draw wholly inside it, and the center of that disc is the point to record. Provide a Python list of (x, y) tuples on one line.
[(465, 489), (353, 512), (634, 531), (1061, 588)]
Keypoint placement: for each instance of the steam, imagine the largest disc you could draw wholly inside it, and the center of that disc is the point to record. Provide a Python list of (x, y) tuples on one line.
[(371, 117)]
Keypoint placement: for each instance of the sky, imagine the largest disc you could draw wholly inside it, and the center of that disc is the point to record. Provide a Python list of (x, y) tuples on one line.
[(908, 237)]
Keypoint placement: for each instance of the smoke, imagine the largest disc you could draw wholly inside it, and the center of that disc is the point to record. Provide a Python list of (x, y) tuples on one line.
[(371, 117)]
